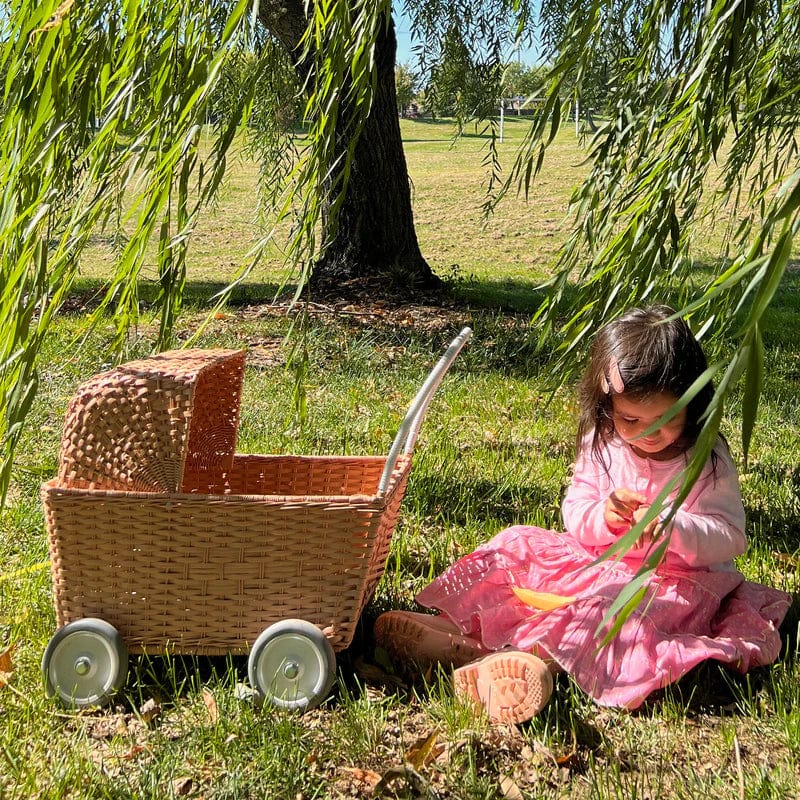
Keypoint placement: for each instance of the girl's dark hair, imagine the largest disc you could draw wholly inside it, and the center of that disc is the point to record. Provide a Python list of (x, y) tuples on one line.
[(654, 352)]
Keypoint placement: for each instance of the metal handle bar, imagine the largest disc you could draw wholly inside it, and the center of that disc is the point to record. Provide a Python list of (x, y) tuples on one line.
[(409, 428)]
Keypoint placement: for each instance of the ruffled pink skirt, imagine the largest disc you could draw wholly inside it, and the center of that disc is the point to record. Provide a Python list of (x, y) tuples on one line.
[(687, 616)]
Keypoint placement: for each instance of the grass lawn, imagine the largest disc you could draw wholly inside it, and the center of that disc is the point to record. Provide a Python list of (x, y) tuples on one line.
[(495, 449)]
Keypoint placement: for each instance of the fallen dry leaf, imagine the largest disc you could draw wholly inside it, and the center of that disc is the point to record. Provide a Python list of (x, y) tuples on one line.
[(423, 751), (6, 666), (368, 777), (539, 756), (413, 780), (211, 705), (182, 786), (509, 789), (150, 711), (572, 758), (786, 558), (134, 751)]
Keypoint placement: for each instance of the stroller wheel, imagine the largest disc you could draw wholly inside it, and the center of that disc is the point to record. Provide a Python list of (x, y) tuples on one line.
[(292, 665), (85, 663)]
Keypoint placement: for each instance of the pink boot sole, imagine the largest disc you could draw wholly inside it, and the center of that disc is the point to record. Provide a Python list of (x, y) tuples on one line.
[(425, 639), (510, 686)]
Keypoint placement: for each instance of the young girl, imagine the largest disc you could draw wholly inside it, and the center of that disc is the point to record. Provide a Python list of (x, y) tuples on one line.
[(500, 625)]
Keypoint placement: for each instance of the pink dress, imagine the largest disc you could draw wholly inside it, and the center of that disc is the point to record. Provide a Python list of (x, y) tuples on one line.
[(697, 605)]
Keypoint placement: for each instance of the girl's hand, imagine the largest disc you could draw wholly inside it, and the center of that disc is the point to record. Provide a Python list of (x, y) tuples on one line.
[(651, 531), (620, 508)]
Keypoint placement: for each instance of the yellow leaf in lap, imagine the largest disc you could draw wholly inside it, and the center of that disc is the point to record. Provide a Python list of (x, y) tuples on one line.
[(542, 601)]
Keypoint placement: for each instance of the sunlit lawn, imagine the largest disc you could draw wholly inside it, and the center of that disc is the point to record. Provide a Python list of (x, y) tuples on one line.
[(495, 449)]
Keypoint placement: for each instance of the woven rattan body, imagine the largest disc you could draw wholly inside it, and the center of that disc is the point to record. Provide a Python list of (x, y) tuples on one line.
[(155, 424), (156, 526), (206, 573)]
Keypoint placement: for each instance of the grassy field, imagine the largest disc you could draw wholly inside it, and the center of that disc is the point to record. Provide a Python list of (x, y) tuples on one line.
[(495, 449)]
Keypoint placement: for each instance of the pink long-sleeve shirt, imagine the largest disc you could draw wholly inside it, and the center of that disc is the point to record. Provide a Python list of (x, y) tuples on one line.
[(708, 528)]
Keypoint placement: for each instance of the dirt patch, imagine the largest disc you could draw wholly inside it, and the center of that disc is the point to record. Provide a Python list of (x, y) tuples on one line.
[(371, 304)]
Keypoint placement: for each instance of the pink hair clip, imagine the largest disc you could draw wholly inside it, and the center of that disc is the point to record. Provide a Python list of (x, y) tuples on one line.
[(614, 380)]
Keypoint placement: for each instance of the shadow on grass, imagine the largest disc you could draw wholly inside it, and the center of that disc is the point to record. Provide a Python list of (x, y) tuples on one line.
[(499, 310), (166, 678), (87, 294), (776, 528), (499, 294), (710, 687), (503, 341), (523, 296)]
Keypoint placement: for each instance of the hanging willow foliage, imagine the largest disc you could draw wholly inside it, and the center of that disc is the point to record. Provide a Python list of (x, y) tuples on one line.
[(103, 97), (98, 96), (700, 89), (706, 87)]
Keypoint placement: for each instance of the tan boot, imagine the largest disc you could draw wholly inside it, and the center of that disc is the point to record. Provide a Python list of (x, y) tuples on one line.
[(425, 639), (511, 686)]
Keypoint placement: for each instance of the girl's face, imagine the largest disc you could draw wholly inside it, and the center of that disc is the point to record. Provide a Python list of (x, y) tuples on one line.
[(633, 416)]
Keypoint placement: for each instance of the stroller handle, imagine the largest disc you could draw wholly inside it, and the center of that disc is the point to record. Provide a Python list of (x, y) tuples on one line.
[(409, 428)]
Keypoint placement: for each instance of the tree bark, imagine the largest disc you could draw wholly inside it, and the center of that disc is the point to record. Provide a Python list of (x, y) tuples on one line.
[(375, 235)]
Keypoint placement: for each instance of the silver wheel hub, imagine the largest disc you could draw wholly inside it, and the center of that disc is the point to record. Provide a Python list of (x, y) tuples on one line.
[(291, 669), (83, 665)]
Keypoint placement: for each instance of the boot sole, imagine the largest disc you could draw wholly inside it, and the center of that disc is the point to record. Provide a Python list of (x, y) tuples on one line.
[(511, 687)]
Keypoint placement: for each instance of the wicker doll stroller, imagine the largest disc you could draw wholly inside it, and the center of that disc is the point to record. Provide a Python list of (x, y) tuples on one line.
[(163, 539)]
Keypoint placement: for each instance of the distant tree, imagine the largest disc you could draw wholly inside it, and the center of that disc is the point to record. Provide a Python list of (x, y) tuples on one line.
[(461, 83), (405, 82), (521, 80), (589, 78)]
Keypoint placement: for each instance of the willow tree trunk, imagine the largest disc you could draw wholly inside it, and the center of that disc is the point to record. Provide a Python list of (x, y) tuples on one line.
[(374, 235)]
